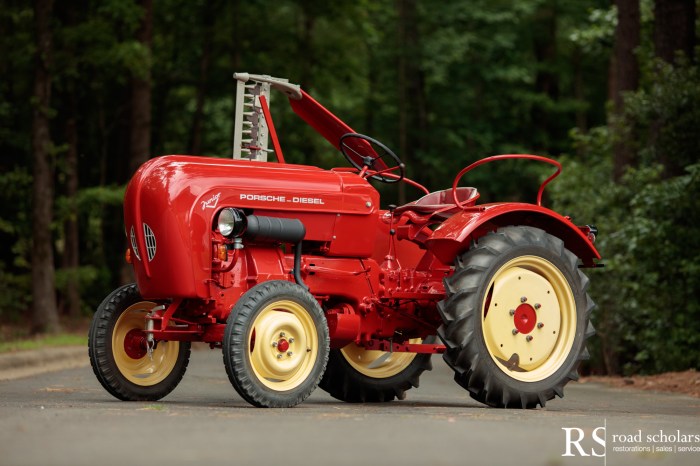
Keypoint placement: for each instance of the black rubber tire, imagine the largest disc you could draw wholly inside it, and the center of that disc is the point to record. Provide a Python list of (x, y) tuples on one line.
[(345, 383), (102, 356), (467, 353), (236, 350)]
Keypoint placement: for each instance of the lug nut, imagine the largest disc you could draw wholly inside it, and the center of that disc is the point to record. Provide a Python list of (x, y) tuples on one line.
[(528, 338), (512, 312), (537, 306), (515, 331), (523, 299), (291, 340), (540, 325), (282, 334), (289, 353), (274, 344), (279, 356)]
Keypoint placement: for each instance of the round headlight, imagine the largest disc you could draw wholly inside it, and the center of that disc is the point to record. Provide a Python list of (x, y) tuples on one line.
[(231, 222)]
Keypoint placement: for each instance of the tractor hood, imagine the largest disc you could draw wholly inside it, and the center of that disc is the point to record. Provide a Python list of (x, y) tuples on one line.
[(171, 203)]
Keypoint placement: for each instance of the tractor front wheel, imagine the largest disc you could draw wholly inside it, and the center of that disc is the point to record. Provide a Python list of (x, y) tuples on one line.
[(276, 344), (516, 318), (119, 354)]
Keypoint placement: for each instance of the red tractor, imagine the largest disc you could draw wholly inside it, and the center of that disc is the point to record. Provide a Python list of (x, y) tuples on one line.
[(303, 280)]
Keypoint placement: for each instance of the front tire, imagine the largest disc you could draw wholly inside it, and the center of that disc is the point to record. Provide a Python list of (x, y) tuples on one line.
[(516, 318), (276, 345), (117, 349)]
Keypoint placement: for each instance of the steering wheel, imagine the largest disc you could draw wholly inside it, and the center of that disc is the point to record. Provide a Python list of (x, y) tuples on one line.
[(367, 155)]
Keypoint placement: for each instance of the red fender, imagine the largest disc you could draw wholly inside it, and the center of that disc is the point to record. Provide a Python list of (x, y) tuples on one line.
[(454, 235)]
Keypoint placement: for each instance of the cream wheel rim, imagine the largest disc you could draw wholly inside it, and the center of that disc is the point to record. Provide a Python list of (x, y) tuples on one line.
[(529, 318), (377, 364), (146, 370), (283, 345)]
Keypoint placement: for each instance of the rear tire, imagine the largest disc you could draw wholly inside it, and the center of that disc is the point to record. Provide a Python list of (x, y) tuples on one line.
[(356, 375), (116, 345), (516, 318)]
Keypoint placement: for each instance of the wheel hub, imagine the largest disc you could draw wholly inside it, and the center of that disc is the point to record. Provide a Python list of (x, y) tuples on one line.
[(282, 345), (135, 344), (525, 318)]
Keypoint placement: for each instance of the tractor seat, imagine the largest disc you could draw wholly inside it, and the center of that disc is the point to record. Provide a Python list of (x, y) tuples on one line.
[(439, 200)]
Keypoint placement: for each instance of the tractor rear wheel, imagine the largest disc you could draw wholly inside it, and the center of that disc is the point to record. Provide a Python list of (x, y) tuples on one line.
[(118, 350), (357, 375), (516, 318), (276, 344)]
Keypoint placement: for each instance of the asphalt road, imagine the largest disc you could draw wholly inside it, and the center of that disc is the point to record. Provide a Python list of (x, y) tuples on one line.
[(66, 418)]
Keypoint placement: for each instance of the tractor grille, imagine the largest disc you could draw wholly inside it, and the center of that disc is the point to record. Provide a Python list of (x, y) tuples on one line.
[(134, 246), (150, 242)]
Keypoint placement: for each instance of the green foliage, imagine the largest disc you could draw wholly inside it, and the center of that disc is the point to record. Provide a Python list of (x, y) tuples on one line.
[(15, 294), (595, 37), (666, 333), (87, 278), (648, 316), (15, 284), (90, 207), (484, 77), (664, 115)]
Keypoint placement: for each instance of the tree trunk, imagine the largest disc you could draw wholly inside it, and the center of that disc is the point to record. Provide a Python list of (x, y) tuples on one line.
[(546, 80), (674, 31), (307, 66), (44, 311), (140, 129), (413, 112), (306, 47), (402, 6), (674, 28), (140, 134), (70, 260), (198, 117), (625, 73), (235, 57), (71, 253), (611, 359), (373, 67), (579, 90)]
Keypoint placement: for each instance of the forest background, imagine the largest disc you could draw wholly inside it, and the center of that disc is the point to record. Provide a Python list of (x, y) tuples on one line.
[(89, 90)]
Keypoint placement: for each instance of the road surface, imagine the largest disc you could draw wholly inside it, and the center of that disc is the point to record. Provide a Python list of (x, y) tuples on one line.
[(66, 418)]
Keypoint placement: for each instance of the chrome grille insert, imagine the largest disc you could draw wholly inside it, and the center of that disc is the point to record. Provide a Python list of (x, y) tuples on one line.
[(150, 242), (134, 247)]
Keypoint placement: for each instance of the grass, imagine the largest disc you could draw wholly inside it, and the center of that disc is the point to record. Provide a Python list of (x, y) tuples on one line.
[(43, 341), (16, 336), (155, 407)]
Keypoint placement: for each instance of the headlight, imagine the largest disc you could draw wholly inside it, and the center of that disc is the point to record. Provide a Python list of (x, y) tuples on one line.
[(231, 222)]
